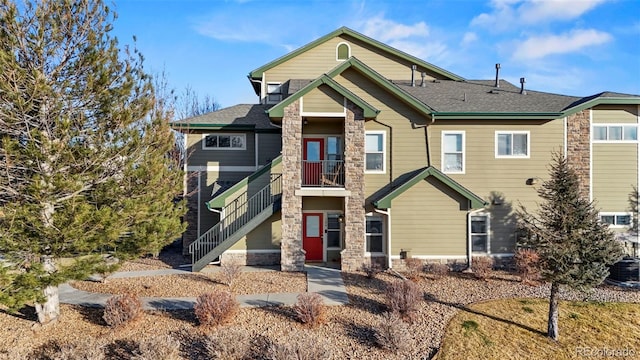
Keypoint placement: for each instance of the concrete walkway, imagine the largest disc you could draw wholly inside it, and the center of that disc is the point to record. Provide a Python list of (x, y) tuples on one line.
[(324, 281)]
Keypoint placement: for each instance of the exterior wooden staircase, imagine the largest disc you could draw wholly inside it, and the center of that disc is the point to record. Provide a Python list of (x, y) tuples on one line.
[(238, 218)]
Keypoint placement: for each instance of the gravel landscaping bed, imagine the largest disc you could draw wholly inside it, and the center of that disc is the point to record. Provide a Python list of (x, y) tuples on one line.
[(349, 330), (194, 284)]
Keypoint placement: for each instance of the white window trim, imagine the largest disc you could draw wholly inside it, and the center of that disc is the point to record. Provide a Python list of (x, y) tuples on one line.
[(340, 231), (382, 232), (266, 90), (608, 125), (469, 233), (244, 142), (614, 214), (348, 53), (464, 148), (512, 132), (384, 152)]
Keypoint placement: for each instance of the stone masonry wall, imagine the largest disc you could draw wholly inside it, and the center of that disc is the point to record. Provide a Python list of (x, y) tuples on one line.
[(352, 256), (292, 255), (251, 258), (191, 217), (578, 143)]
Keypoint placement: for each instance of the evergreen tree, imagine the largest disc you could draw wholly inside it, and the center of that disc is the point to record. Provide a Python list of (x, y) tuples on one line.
[(84, 171), (575, 248)]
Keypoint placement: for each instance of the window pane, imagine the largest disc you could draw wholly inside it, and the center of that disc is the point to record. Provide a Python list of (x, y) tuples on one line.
[(452, 142), (237, 141), (615, 133), (374, 225), (211, 141), (224, 141), (313, 226), (373, 162), (333, 146), (479, 243), (373, 143), (520, 144), (453, 162), (313, 151), (333, 239), (631, 133), (504, 144), (374, 243), (479, 224), (273, 88), (599, 133), (332, 222), (607, 219), (623, 219)]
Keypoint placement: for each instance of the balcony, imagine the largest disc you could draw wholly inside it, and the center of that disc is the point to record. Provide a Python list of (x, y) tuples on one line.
[(323, 173)]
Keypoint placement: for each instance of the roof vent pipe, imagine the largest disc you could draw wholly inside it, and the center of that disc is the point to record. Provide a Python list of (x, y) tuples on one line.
[(423, 75), (522, 90), (497, 76), (413, 70)]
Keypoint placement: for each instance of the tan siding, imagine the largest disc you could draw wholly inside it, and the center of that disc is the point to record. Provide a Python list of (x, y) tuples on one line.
[(269, 147), (201, 157), (615, 114), (322, 126), (322, 203), (323, 99), (322, 58), (615, 172), (266, 236), (429, 219)]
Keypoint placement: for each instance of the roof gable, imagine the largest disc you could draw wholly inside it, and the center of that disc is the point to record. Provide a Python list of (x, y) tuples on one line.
[(257, 73), (385, 201)]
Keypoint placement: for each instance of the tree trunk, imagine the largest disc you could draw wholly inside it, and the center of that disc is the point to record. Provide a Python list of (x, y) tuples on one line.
[(50, 309), (552, 328)]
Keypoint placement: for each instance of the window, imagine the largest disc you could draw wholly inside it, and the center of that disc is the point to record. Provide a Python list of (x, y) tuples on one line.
[(616, 219), (343, 51), (615, 132), (374, 152), (453, 152), (374, 234), (333, 148), (333, 231), (274, 93), (479, 233), (512, 144), (224, 142)]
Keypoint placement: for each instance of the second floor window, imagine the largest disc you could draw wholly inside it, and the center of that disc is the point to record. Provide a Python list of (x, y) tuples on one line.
[(274, 93), (512, 144), (615, 132), (224, 142), (374, 152), (453, 152)]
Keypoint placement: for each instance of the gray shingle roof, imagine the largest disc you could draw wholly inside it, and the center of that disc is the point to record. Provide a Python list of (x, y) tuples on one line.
[(480, 96), (243, 114)]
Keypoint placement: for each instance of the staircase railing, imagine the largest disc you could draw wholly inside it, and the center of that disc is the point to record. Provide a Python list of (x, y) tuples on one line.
[(235, 216)]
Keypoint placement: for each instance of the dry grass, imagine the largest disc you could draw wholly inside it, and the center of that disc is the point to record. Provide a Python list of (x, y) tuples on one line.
[(516, 329)]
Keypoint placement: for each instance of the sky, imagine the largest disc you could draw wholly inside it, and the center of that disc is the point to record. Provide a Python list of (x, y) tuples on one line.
[(573, 47)]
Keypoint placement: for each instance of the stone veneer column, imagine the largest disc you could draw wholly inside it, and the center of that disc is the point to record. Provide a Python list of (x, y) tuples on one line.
[(578, 145), (292, 256), (352, 256), (191, 217)]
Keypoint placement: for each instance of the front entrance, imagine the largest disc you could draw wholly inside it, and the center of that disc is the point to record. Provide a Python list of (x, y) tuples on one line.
[(312, 236), (313, 154)]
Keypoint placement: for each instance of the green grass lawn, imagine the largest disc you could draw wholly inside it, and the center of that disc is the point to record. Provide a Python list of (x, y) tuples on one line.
[(516, 329)]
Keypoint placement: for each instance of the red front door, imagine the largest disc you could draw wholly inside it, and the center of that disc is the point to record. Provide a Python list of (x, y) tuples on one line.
[(313, 154), (312, 236)]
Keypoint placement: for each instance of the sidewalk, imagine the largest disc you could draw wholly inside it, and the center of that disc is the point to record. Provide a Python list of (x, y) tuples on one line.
[(324, 281)]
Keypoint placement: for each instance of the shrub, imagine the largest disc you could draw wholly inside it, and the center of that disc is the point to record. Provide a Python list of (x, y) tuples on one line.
[(438, 270), (527, 265), (414, 268), (481, 267), (215, 308), (158, 348), (371, 270), (403, 298), (310, 309), (85, 348), (229, 272), (122, 309), (229, 344), (301, 347), (392, 333)]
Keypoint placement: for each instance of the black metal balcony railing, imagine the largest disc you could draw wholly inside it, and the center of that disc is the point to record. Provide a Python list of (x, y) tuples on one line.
[(323, 173)]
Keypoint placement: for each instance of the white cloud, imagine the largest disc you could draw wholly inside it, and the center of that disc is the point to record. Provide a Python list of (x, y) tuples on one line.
[(468, 38), (507, 13), (537, 47), (385, 30)]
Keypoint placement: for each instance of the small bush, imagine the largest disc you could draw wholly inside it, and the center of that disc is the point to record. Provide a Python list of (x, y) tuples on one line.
[(229, 272), (392, 333), (438, 270), (310, 309), (371, 270), (158, 348), (301, 347), (215, 308), (86, 348), (122, 309), (482, 267), (527, 265), (414, 268), (403, 297), (229, 344)]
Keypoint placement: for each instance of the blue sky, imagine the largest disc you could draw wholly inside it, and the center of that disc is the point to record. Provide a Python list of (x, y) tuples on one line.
[(574, 47)]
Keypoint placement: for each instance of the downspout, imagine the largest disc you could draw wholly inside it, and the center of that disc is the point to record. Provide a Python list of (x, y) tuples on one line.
[(388, 214)]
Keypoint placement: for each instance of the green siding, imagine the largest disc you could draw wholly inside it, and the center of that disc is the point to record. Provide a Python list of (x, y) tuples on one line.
[(323, 99), (615, 172), (200, 157), (267, 236), (269, 147)]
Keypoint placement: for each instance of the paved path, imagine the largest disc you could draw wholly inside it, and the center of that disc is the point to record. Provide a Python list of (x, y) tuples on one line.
[(324, 281)]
